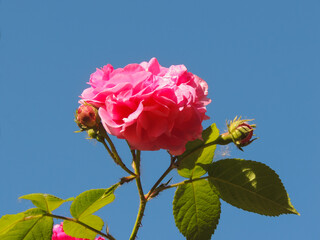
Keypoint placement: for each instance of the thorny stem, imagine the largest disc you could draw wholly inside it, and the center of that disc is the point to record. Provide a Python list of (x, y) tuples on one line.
[(143, 201), (136, 175), (136, 162), (185, 182), (115, 156), (138, 220), (144, 198), (107, 235), (179, 184), (172, 166)]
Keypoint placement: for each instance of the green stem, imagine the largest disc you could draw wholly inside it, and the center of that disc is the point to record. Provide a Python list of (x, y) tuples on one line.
[(115, 156), (143, 201), (137, 172), (108, 149), (137, 224), (172, 166), (108, 236), (185, 182)]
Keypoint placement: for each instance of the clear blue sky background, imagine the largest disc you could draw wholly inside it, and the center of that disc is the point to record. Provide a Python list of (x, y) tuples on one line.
[(261, 60)]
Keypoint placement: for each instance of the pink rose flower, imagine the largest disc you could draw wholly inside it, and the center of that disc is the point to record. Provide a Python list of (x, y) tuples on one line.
[(150, 106), (59, 234)]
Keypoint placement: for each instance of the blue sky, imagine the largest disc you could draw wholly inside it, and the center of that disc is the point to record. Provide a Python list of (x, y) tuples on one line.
[(261, 60)]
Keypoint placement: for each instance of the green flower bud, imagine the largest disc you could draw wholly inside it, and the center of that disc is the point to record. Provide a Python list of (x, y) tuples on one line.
[(239, 132), (92, 133)]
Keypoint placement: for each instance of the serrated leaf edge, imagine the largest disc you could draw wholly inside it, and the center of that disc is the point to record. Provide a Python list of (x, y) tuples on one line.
[(193, 190), (291, 210)]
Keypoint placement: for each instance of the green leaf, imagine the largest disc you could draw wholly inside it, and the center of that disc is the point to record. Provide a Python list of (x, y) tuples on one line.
[(251, 186), (9, 221), (196, 210), (34, 212), (196, 153), (79, 231), (44, 201), (91, 201), (34, 226)]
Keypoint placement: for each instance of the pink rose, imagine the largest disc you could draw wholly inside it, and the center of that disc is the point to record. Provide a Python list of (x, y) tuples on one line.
[(59, 234), (150, 106)]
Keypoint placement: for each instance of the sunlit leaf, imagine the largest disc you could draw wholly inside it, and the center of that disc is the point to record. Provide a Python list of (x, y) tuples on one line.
[(34, 226), (79, 231), (251, 186), (9, 221), (91, 201), (44, 201), (196, 153)]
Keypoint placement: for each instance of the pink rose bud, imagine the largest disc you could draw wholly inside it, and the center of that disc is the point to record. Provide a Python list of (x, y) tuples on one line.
[(239, 132), (59, 234), (87, 116), (244, 133), (151, 106)]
